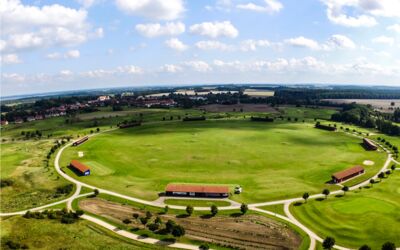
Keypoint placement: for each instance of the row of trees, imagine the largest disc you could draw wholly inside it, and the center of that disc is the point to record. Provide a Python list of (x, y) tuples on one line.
[(329, 242), (65, 216)]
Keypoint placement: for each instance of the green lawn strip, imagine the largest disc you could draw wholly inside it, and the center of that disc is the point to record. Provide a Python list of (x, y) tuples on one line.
[(368, 216), (51, 234), (196, 203), (278, 209)]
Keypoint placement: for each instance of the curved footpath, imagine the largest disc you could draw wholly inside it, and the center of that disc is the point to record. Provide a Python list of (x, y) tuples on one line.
[(234, 205)]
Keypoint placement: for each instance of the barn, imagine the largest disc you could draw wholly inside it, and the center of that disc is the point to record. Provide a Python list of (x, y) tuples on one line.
[(347, 174), (79, 167), (80, 141), (197, 191), (370, 145)]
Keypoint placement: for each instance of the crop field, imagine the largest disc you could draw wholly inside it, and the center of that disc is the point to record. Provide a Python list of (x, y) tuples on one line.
[(51, 234), (384, 105), (368, 216), (270, 161), (34, 182)]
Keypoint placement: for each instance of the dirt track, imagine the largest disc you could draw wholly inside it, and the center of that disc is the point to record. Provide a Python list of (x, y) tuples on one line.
[(243, 232)]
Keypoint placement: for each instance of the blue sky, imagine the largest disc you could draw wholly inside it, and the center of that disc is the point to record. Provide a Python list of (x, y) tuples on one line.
[(65, 45)]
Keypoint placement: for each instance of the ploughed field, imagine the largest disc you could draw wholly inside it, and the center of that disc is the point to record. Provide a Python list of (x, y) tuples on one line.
[(269, 160), (368, 216)]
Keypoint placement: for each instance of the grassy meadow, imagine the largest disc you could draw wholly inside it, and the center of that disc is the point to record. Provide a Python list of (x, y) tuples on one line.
[(368, 216), (51, 234), (261, 157)]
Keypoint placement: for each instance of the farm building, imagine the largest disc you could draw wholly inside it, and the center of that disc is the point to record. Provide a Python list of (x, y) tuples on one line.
[(347, 174), (82, 169), (325, 127), (197, 191), (370, 145), (80, 141)]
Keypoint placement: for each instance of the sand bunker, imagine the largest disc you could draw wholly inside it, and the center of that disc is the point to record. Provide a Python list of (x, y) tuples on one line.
[(368, 163)]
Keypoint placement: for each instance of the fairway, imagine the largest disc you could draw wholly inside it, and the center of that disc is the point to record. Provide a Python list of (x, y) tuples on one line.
[(370, 216), (269, 160)]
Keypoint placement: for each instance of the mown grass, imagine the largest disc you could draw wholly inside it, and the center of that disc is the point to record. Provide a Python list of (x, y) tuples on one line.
[(368, 216), (51, 234), (270, 161)]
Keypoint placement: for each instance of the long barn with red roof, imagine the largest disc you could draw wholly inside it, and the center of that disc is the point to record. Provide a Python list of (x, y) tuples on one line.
[(197, 190)]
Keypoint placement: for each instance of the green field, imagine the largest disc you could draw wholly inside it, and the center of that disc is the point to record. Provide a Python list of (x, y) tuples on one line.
[(34, 181), (370, 216), (270, 161), (51, 234)]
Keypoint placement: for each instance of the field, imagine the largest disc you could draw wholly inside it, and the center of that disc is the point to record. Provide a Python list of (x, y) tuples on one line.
[(383, 105), (262, 158), (34, 181), (51, 234), (258, 93), (370, 216), (249, 231)]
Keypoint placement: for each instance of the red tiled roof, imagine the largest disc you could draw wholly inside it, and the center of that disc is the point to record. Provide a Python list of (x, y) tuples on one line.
[(79, 166), (348, 172), (196, 188)]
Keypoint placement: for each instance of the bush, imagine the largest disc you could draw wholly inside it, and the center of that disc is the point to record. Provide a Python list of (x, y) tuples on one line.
[(214, 210), (189, 210), (144, 220), (6, 183), (204, 246), (154, 226), (126, 221), (169, 225), (178, 231), (244, 208)]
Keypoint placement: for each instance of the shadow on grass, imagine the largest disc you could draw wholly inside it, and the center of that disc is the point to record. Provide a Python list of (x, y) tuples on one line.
[(339, 195), (206, 216), (235, 215), (166, 241), (320, 199), (182, 216), (297, 204)]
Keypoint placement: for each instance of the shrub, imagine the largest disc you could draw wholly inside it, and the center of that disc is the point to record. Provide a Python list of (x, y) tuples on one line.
[(244, 208), (178, 231), (153, 226), (189, 210)]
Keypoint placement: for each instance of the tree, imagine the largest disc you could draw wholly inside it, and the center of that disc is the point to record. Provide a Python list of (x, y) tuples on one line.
[(345, 189), (328, 243), (153, 226), (204, 246), (126, 221), (166, 208), (148, 215), (214, 210), (178, 231), (169, 225), (393, 167), (381, 175), (326, 192), (96, 192), (144, 220), (244, 208), (388, 246), (189, 210), (306, 196), (372, 181), (365, 247)]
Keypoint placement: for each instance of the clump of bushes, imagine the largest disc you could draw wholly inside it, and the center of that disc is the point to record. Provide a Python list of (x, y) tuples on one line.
[(65, 216), (6, 182)]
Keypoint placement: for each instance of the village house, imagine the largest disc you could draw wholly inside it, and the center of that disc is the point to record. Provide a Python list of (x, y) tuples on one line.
[(80, 168), (347, 174)]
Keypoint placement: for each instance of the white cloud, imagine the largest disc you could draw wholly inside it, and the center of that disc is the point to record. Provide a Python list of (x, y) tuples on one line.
[(66, 73), (384, 40), (86, 3), (130, 69), (156, 29), (252, 45), (213, 45), (73, 54), (153, 9), (269, 6), (10, 59), (336, 41), (303, 42), (171, 68), (340, 41), (215, 29), (199, 66), (367, 9), (121, 70), (29, 27), (394, 27), (176, 44), (13, 77)]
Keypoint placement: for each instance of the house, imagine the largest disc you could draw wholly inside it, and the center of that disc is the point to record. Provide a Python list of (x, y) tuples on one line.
[(103, 98), (369, 144), (4, 122), (18, 121), (39, 117), (347, 174), (30, 119), (80, 141), (197, 190), (79, 168)]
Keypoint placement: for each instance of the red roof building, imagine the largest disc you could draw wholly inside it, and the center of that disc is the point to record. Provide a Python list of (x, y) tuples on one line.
[(197, 190), (79, 167), (347, 174)]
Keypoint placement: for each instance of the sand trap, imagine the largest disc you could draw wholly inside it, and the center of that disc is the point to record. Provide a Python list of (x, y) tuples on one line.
[(80, 154), (368, 163)]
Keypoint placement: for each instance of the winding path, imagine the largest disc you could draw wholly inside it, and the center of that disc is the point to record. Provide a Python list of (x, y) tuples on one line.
[(158, 203)]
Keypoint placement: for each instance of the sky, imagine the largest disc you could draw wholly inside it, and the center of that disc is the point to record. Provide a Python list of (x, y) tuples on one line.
[(82, 44)]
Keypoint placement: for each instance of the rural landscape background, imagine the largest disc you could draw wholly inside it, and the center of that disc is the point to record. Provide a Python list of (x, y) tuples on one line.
[(215, 124)]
